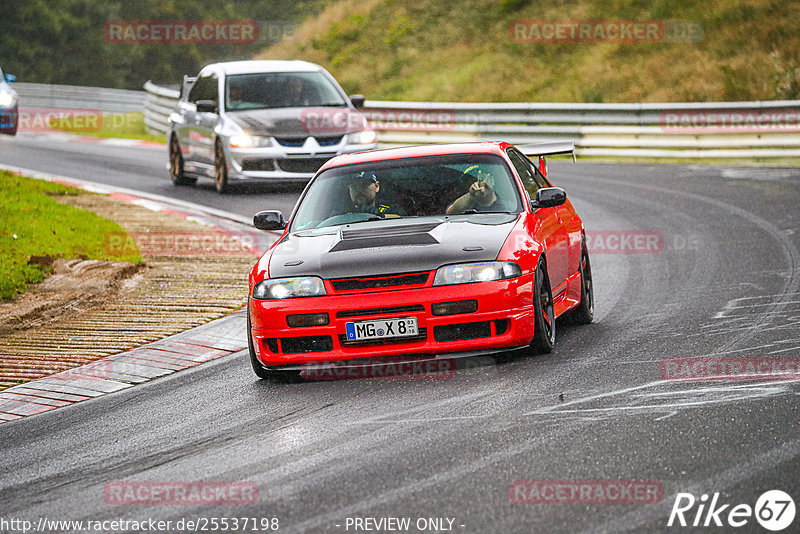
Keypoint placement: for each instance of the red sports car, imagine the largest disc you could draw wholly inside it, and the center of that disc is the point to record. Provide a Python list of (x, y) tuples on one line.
[(427, 251)]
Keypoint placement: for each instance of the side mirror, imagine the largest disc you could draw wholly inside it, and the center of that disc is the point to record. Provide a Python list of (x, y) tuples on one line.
[(269, 220), (206, 106), (549, 197), (10, 78), (357, 100)]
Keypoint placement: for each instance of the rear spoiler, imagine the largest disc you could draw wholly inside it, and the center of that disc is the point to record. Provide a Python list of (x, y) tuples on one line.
[(188, 81), (548, 149)]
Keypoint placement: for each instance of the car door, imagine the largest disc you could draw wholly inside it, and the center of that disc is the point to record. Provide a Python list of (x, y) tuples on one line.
[(554, 234), (200, 125)]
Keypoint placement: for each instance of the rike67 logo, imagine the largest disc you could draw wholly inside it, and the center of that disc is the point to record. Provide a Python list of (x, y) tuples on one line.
[(774, 510)]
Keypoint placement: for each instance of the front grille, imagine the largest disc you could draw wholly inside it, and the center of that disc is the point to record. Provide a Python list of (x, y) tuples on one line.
[(258, 164), (329, 141), (325, 140), (457, 332), (302, 164), (350, 284), (291, 141), (295, 345), (422, 334), (380, 311)]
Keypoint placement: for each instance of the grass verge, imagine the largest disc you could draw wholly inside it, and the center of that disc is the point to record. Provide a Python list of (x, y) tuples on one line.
[(118, 126), (35, 229)]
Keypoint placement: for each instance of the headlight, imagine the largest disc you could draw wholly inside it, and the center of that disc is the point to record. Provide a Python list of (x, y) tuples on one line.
[(249, 141), (366, 137), (285, 288), (467, 273), (6, 98)]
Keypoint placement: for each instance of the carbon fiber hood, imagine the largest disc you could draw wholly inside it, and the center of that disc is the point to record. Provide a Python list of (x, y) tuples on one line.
[(391, 246)]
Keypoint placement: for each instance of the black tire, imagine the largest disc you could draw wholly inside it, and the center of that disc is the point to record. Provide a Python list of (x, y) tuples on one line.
[(584, 312), (176, 165), (544, 334), (220, 169)]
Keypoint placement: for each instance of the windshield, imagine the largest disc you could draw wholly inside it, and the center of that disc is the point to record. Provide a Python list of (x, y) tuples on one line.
[(408, 187), (280, 90)]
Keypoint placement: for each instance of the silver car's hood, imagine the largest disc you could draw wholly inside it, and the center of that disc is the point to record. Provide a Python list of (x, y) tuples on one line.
[(299, 122)]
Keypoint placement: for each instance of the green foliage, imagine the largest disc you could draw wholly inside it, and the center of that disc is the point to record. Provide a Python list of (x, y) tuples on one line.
[(33, 224), (448, 50), (63, 42)]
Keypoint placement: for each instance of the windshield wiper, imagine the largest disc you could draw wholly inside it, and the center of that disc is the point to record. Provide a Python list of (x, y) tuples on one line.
[(367, 219), (473, 211)]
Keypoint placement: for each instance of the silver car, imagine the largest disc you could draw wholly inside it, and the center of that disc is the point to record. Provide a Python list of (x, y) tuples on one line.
[(262, 120)]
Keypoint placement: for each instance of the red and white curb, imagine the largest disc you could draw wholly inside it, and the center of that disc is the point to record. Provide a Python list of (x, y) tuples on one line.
[(114, 373), (214, 340)]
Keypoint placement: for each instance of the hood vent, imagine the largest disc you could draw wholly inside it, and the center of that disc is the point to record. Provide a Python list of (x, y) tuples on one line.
[(382, 236)]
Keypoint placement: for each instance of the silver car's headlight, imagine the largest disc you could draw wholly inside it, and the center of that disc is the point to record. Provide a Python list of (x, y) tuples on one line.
[(249, 141), (286, 288), (6, 98), (365, 137), (467, 273)]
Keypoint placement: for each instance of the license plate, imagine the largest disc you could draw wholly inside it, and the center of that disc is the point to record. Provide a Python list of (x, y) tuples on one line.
[(381, 328)]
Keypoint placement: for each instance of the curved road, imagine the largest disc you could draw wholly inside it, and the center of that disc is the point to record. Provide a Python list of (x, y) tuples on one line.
[(327, 456)]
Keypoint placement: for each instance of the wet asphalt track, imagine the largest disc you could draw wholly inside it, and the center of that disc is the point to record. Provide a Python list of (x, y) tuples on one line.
[(726, 284)]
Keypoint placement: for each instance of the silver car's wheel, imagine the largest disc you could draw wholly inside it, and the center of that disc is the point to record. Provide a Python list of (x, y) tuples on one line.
[(220, 169), (176, 165)]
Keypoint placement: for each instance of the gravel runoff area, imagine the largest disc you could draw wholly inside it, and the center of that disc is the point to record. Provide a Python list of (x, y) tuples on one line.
[(87, 310)]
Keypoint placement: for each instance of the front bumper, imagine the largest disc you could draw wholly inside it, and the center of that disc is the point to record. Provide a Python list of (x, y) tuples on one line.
[(285, 163), (503, 320)]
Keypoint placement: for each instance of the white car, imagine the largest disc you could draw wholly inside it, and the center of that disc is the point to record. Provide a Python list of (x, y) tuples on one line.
[(262, 120)]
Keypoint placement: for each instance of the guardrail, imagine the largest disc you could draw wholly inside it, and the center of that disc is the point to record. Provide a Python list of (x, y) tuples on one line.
[(39, 95), (158, 104), (769, 129)]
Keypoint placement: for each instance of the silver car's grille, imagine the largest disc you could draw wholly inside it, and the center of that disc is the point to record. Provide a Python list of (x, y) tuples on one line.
[(295, 142)]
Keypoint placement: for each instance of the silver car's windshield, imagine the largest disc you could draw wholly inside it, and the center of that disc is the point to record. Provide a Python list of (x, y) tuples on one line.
[(408, 187), (280, 90)]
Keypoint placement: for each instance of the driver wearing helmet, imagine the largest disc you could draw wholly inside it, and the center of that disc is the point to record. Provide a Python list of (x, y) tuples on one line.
[(365, 195)]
